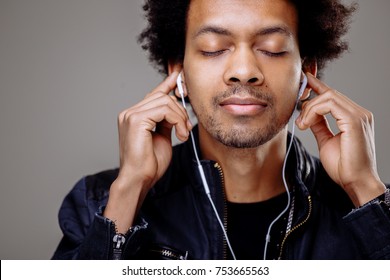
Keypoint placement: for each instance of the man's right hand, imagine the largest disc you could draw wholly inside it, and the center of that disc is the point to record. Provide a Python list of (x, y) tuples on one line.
[(145, 149)]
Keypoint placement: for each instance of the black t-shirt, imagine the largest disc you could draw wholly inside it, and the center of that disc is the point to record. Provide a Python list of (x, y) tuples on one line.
[(247, 226)]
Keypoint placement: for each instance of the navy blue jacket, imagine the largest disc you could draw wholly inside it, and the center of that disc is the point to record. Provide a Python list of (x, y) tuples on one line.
[(176, 220)]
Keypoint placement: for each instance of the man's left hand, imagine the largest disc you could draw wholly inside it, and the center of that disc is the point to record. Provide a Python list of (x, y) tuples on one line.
[(349, 156)]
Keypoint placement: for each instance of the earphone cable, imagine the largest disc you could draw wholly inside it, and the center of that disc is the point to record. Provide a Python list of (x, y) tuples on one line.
[(207, 189)]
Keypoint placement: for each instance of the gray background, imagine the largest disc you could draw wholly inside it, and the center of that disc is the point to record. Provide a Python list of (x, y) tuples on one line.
[(67, 68)]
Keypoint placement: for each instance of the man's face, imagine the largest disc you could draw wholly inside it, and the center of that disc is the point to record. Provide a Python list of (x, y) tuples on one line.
[(242, 68)]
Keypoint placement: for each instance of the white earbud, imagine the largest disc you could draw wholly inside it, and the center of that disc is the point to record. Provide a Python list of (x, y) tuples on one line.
[(303, 86), (179, 83)]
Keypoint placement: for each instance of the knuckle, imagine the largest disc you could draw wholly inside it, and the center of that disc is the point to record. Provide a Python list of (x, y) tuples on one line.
[(121, 116), (331, 101), (167, 99), (132, 118), (368, 116), (159, 93), (336, 92), (331, 94), (126, 117)]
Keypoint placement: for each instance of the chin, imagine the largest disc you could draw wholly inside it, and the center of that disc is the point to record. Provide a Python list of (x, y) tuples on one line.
[(242, 137)]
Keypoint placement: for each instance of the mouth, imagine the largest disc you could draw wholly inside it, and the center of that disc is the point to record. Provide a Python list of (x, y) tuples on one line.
[(243, 106)]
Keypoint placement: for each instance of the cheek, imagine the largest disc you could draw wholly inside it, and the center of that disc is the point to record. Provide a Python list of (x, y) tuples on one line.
[(286, 85), (197, 93), (201, 75), (200, 85)]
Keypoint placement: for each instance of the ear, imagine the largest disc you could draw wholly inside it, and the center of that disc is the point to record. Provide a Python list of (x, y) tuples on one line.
[(311, 67), (174, 67), (177, 67)]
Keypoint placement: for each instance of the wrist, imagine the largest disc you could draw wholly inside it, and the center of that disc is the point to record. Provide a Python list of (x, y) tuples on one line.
[(364, 192), (129, 185), (130, 178), (124, 202)]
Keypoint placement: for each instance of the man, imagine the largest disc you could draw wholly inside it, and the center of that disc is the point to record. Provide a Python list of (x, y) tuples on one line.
[(242, 65)]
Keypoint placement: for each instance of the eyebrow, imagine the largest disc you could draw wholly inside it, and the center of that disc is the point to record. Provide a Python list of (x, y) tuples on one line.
[(211, 29), (275, 29)]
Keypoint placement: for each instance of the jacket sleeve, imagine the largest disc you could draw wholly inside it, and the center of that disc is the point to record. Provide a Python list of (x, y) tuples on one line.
[(86, 233), (370, 224)]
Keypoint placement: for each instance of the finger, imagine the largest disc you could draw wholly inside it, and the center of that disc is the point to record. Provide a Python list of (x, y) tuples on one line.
[(148, 120), (318, 86), (321, 131), (172, 119), (313, 110), (148, 98), (164, 128), (323, 89), (170, 101), (339, 106), (166, 86)]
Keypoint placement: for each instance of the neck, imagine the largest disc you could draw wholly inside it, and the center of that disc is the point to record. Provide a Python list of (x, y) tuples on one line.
[(251, 175)]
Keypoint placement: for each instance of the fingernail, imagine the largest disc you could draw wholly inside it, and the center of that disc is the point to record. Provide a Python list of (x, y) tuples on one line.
[(300, 122), (186, 136), (189, 125)]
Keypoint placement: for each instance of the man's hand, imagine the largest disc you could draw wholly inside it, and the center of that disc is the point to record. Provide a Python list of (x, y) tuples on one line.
[(145, 149), (349, 156), (145, 133)]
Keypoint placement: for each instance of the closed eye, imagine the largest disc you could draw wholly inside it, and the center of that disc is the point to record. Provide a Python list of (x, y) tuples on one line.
[(212, 54), (274, 54)]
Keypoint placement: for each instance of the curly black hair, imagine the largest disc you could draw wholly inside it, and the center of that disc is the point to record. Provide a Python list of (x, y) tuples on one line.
[(321, 26)]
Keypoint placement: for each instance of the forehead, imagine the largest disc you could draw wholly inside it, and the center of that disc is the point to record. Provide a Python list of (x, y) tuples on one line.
[(241, 17)]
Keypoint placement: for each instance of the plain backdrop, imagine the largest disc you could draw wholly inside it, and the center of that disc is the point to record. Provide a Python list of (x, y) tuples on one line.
[(67, 68)]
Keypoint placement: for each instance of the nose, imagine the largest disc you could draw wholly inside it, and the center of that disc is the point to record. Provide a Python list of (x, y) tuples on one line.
[(243, 68)]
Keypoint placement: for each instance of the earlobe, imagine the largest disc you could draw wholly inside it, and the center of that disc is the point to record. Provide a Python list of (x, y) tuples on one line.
[(306, 94)]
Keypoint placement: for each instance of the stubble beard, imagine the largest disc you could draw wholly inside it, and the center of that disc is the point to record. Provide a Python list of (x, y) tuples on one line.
[(239, 135), (242, 137)]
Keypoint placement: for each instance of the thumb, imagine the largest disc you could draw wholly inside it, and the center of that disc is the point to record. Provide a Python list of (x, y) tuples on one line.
[(321, 131), (165, 129)]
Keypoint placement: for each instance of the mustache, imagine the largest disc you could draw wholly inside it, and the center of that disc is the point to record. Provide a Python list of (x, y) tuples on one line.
[(244, 91)]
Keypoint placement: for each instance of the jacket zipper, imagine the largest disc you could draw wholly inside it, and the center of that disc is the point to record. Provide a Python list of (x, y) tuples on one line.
[(220, 171), (119, 240), (170, 254), (296, 227)]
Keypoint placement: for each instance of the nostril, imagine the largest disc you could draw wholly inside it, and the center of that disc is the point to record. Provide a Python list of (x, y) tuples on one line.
[(234, 79), (253, 80)]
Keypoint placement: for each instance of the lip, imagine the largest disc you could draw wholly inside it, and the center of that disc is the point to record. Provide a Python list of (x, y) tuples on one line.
[(242, 101), (243, 106)]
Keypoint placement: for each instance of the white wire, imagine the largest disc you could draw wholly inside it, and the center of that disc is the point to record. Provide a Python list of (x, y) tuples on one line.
[(293, 117), (268, 235), (206, 187)]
